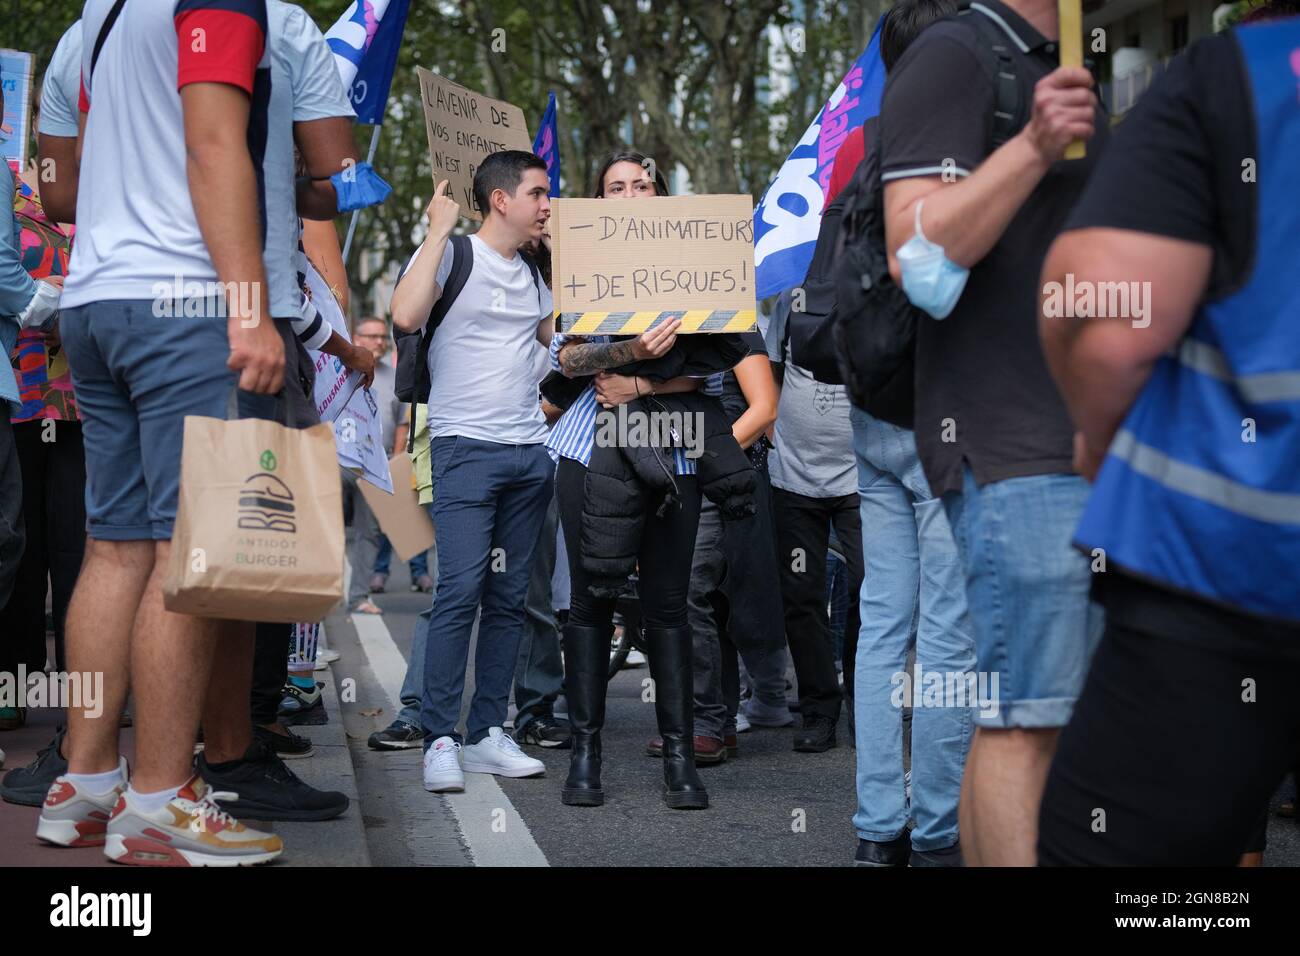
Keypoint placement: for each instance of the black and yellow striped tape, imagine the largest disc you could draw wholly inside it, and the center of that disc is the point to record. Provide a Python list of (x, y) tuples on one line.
[(634, 323)]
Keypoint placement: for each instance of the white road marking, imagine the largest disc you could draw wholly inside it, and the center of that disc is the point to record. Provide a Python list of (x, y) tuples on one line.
[(489, 823)]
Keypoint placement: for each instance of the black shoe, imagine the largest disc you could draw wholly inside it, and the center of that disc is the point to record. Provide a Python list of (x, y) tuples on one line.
[(893, 853), (948, 856), (671, 657), (286, 746), (399, 735), (268, 790), (546, 732), (586, 671), (818, 734), (27, 786)]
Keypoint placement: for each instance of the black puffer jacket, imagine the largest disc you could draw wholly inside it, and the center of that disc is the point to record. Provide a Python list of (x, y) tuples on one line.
[(624, 484)]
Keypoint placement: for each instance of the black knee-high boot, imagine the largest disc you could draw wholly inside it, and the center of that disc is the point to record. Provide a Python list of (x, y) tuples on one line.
[(586, 671), (671, 667)]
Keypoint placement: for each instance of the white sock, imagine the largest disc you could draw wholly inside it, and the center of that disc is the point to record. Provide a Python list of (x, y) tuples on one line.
[(153, 802), (97, 782)]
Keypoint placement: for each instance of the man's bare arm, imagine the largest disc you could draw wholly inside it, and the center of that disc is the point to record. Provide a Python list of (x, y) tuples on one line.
[(326, 146), (57, 161), (587, 358), (1101, 364)]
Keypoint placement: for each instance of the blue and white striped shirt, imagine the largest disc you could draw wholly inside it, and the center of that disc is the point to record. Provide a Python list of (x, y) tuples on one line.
[(574, 435)]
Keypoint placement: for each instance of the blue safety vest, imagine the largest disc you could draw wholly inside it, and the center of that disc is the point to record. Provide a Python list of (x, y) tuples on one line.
[(1201, 486)]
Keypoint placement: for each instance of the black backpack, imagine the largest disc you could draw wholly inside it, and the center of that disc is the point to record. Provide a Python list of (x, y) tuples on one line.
[(871, 322), (412, 380), (812, 305)]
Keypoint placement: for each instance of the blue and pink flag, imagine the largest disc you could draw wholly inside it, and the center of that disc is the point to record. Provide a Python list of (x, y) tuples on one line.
[(365, 41), (547, 145), (790, 213)]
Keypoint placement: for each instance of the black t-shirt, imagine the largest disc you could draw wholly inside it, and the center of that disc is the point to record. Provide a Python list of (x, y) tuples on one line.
[(1175, 170), (981, 380), (733, 399)]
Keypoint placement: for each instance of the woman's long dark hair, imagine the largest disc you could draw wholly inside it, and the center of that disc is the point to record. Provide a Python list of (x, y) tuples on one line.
[(625, 155)]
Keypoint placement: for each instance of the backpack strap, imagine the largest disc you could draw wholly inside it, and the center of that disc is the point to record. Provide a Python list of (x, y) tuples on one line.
[(1008, 102), (462, 264), (537, 276), (105, 29)]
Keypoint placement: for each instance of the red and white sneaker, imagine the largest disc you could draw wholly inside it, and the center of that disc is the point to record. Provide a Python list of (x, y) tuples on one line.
[(73, 817), (189, 830)]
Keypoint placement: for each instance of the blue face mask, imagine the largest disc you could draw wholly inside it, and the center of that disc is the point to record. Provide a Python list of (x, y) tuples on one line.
[(359, 186), (932, 282)]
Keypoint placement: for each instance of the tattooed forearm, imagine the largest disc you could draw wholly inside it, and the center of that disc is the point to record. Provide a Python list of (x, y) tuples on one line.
[(586, 358)]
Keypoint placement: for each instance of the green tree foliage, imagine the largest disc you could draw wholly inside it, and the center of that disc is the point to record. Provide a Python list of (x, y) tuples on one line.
[(719, 89)]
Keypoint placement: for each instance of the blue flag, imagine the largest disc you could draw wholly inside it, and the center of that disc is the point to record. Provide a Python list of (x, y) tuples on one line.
[(365, 41), (790, 212), (547, 145)]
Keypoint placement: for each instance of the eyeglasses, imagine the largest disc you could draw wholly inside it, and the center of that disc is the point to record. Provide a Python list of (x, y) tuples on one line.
[(370, 335)]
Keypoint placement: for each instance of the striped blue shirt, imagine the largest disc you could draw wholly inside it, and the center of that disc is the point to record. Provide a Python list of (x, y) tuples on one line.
[(574, 435)]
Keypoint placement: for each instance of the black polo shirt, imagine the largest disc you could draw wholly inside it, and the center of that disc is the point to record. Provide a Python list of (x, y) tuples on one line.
[(1176, 169), (981, 379)]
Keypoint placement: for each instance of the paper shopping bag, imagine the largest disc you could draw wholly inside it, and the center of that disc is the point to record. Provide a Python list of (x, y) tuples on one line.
[(259, 523)]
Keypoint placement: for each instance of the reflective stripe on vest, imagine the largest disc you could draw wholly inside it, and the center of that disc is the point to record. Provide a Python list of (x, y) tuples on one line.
[(1201, 487)]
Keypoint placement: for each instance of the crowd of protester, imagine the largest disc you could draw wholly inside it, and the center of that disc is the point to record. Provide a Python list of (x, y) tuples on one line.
[(1085, 524)]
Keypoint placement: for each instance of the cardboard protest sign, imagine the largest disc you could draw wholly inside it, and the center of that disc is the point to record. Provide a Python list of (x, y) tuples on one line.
[(622, 266), (400, 515), (16, 78), (463, 127)]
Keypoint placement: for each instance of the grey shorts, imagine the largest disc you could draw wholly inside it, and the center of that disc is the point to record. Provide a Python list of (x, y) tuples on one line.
[(137, 376)]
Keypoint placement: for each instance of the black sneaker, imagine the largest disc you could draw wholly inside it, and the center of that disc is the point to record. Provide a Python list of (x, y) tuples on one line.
[(268, 790), (399, 735), (818, 734), (893, 853), (546, 732), (27, 786), (286, 746), (948, 856)]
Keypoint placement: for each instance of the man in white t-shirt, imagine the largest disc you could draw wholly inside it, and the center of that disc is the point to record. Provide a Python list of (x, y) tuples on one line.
[(173, 102), (491, 474)]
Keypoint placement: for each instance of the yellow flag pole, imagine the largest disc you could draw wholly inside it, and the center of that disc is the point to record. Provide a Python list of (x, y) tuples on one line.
[(1071, 19)]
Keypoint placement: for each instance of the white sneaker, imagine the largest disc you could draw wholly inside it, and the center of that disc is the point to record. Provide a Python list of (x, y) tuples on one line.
[(742, 723), (634, 659), (498, 753), (442, 771)]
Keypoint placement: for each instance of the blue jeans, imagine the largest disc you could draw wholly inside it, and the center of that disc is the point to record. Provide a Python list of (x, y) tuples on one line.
[(419, 565), (539, 670), (913, 595), (489, 501), (1028, 588)]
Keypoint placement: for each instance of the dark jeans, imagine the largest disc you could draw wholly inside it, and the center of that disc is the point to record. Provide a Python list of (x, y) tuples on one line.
[(717, 673), (11, 506), (53, 463), (539, 669), (803, 527), (663, 565), (1187, 722), (489, 502)]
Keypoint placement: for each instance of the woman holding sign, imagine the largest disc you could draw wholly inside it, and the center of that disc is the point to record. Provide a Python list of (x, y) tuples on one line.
[(666, 540)]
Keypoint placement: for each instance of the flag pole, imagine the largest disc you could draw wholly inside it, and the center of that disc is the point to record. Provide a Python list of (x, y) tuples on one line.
[(352, 226)]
